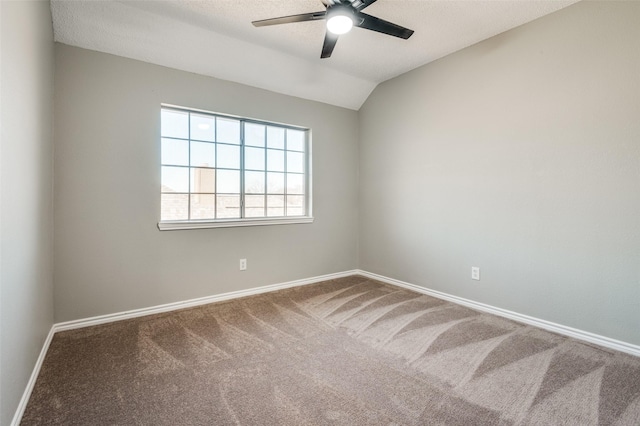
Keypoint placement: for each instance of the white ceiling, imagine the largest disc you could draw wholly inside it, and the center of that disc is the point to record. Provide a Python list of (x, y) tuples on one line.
[(216, 38)]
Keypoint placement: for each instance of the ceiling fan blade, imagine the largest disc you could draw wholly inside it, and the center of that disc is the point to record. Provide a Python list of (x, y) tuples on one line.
[(291, 19), (380, 25), (361, 4), (330, 41)]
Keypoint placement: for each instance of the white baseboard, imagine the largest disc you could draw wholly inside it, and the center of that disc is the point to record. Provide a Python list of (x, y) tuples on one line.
[(32, 380), (103, 319), (546, 325)]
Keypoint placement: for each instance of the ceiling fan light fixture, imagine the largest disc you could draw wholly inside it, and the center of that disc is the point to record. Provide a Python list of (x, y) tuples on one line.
[(339, 24)]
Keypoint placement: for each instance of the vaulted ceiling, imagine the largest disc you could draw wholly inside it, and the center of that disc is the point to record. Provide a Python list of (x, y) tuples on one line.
[(216, 38)]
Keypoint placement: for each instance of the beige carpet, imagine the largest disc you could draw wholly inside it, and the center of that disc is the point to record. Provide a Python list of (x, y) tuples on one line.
[(345, 352)]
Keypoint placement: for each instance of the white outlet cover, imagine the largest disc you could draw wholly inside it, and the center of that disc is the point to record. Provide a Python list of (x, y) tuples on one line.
[(475, 273)]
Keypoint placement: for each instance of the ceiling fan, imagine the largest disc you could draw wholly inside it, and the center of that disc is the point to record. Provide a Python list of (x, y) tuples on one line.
[(341, 16)]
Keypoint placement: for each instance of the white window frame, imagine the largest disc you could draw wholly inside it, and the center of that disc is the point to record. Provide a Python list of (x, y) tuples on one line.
[(170, 225)]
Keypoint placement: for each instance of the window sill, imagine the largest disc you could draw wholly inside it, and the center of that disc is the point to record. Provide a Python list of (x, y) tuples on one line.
[(194, 224)]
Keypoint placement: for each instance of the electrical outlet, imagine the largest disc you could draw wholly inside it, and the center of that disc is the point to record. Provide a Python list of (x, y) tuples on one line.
[(475, 273), (243, 264)]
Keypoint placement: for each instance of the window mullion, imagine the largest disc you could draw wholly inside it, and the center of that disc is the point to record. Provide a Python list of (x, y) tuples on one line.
[(189, 163), (307, 166), (242, 192), (286, 196), (264, 204), (215, 177)]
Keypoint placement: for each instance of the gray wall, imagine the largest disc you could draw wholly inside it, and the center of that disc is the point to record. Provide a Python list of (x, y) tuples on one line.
[(26, 211), (520, 155), (109, 254)]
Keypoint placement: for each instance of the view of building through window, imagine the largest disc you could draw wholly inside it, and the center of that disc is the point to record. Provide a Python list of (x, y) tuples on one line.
[(218, 168)]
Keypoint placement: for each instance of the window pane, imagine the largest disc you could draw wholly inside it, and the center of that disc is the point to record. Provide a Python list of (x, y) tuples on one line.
[(254, 134), (295, 184), (203, 180), (228, 156), (275, 211), (254, 206), (254, 158), (203, 127), (295, 162), (203, 154), (275, 137), (254, 182), (175, 152), (275, 183), (275, 201), (254, 201), (275, 205), (295, 140), (228, 206), (174, 124), (228, 130), (228, 181), (175, 179), (295, 205), (275, 160), (254, 212), (174, 207), (203, 206)]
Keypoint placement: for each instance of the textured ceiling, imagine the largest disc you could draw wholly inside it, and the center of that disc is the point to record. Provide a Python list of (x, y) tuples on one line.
[(216, 38)]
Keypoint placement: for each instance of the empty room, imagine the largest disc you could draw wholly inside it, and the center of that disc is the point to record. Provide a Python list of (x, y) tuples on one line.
[(340, 212)]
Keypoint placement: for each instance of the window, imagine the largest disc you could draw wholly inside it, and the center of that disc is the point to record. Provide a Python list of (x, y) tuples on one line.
[(219, 170)]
